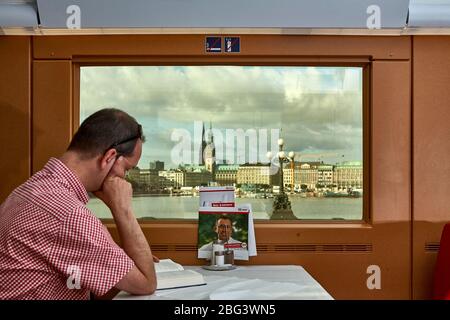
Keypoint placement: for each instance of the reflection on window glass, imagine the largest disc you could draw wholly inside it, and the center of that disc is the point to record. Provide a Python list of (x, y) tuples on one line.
[(238, 126)]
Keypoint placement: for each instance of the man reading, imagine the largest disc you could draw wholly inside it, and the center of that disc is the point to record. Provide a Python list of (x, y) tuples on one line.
[(52, 246)]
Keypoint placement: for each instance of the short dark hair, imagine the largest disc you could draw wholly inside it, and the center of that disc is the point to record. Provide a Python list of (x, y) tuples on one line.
[(224, 217), (107, 129)]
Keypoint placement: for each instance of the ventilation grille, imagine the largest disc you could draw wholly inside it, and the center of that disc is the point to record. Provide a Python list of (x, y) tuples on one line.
[(174, 247), (335, 248), (431, 246), (327, 248)]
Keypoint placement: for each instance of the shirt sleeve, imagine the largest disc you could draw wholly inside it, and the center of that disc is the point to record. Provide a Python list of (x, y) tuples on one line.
[(84, 249)]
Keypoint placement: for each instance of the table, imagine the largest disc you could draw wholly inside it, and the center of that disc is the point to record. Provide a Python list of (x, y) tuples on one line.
[(260, 282)]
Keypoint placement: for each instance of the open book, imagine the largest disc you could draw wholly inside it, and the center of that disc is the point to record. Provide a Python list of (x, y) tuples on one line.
[(172, 275)]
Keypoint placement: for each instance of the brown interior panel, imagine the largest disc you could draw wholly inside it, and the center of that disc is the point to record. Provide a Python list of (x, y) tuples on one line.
[(15, 112), (52, 109), (336, 255), (60, 47), (391, 142), (431, 185)]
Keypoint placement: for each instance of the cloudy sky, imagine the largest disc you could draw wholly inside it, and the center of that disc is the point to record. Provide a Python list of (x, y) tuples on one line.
[(318, 109)]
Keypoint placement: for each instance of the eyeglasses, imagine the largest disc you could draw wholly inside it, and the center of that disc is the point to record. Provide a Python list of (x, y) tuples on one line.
[(116, 144)]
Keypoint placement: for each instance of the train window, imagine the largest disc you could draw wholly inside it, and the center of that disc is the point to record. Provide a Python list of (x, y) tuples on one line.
[(288, 138)]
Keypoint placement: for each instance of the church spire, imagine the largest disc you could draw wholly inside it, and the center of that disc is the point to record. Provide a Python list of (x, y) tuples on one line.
[(203, 147), (210, 136)]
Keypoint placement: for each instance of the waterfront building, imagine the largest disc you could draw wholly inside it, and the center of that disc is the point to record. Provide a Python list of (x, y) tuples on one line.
[(324, 175), (291, 177), (349, 174), (258, 174), (157, 165), (309, 175), (226, 175), (171, 178)]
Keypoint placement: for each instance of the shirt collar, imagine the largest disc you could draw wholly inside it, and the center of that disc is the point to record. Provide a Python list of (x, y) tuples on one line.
[(58, 168)]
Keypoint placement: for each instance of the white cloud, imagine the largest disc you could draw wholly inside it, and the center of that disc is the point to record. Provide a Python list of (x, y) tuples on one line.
[(318, 108)]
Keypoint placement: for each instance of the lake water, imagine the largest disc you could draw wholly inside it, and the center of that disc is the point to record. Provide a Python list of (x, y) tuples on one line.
[(166, 207)]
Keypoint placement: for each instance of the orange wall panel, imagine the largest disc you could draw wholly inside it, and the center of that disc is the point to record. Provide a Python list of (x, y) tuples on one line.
[(15, 112), (52, 110), (381, 47), (431, 129), (431, 136), (391, 141)]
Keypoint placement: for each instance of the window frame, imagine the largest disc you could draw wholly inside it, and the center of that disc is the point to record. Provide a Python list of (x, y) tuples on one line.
[(208, 60)]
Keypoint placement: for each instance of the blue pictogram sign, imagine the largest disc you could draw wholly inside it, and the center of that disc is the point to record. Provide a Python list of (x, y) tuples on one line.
[(232, 44), (213, 44)]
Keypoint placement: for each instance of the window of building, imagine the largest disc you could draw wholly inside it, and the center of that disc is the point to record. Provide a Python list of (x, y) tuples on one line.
[(222, 125)]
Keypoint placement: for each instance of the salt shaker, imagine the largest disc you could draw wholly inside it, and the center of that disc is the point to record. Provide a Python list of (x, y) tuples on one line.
[(219, 257), (217, 247)]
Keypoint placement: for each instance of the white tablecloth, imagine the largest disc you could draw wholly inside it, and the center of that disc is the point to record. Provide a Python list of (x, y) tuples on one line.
[(265, 282)]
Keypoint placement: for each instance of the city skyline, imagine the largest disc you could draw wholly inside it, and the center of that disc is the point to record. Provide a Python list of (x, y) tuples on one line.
[(319, 109), (285, 165), (306, 175)]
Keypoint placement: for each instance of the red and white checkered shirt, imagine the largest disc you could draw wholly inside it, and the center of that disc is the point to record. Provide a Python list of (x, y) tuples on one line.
[(51, 245)]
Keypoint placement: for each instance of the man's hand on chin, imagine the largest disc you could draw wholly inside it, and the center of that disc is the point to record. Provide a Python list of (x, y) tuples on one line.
[(116, 193)]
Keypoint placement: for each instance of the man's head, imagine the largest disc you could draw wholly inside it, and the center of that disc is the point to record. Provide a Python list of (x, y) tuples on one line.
[(224, 228), (107, 142)]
